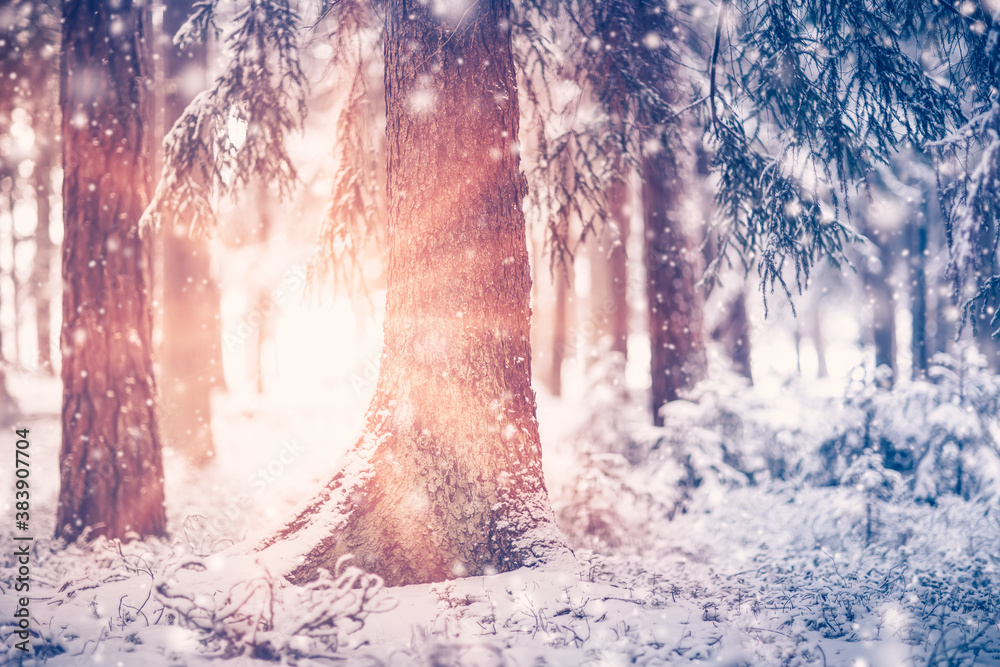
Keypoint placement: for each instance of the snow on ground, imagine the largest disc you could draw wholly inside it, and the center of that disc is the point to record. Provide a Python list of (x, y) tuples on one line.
[(777, 572)]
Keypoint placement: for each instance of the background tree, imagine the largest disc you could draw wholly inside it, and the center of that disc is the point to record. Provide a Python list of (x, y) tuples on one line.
[(111, 474), (190, 351), (34, 36), (805, 99), (876, 273)]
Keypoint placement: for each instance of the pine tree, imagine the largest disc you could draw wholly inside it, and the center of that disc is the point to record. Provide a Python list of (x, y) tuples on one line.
[(806, 99), (446, 480)]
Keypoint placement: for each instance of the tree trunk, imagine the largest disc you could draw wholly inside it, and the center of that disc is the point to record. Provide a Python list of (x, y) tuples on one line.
[(559, 330), (42, 269), (9, 410), (819, 343), (609, 308), (675, 320), (110, 466), (983, 314), (15, 279), (190, 349), (883, 320), (261, 304), (734, 334), (881, 302), (446, 480), (918, 296)]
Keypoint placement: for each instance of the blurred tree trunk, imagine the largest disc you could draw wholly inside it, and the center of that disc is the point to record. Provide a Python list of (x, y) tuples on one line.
[(988, 347), (733, 332), (609, 305), (9, 410), (819, 342), (918, 291), (18, 300), (875, 275), (609, 308), (450, 479), (190, 351), (677, 348), (111, 473), (732, 329), (41, 281), (559, 330), (675, 318), (260, 298)]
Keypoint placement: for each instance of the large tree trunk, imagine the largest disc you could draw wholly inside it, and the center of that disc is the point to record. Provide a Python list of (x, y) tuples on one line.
[(447, 479), (675, 318), (190, 349), (110, 466)]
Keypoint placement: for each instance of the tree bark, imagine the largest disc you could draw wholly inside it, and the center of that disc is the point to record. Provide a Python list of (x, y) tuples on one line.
[(446, 480), (190, 351), (675, 317), (111, 472)]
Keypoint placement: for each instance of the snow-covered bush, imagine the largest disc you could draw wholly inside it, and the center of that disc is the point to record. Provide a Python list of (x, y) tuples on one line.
[(262, 616), (630, 472), (939, 436)]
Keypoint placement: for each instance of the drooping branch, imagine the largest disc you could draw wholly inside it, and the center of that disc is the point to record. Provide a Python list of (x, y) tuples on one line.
[(235, 132)]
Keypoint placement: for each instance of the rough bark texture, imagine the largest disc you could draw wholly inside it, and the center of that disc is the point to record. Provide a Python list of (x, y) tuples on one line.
[(110, 466), (190, 349), (447, 479), (675, 316)]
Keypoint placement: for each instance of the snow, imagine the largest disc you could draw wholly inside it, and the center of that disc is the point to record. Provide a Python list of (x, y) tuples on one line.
[(777, 572)]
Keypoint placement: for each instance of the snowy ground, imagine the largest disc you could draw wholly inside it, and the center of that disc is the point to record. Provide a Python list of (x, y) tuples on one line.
[(778, 572)]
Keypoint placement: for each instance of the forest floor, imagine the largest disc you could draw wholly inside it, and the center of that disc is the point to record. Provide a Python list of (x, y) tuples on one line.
[(775, 573)]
